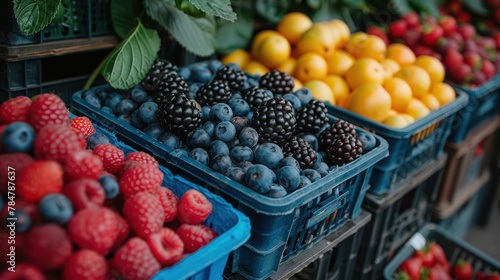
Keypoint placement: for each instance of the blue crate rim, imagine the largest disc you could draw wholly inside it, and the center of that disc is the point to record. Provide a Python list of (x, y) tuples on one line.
[(481, 91)]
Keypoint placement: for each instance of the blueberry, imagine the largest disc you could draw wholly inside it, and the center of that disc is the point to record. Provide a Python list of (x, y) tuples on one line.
[(200, 155), (23, 222), (367, 140), (241, 153), (221, 163), (194, 87), (56, 208), (155, 130), (289, 161), (112, 101), (147, 112), (235, 142), (150, 99), (192, 95), (240, 107), (319, 156), (126, 106), (185, 73), (250, 115), (107, 110), (253, 81), (239, 123), (244, 165), (180, 152), (225, 131), (311, 174), (125, 118), (235, 95), (311, 139), (170, 140), (202, 75), (218, 147), (136, 121), (269, 154), (234, 66), (294, 100), (304, 181), (95, 139), (205, 113), (138, 94), (221, 112), (214, 65), (93, 100), (276, 191), (18, 137), (236, 173), (322, 168), (273, 175), (109, 185), (259, 178), (198, 138), (289, 177), (249, 137), (209, 127), (304, 95)]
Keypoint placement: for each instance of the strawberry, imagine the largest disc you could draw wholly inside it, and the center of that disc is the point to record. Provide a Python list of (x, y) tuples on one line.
[(426, 256), (473, 59), (496, 15), (166, 246), (84, 125), (463, 17), (94, 228), (379, 32), (412, 19), (435, 273), (438, 252), (142, 157), (422, 50), (55, 142), (39, 179), (142, 177), (452, 58), (85, 193), (23, 271), (15, 110), (488, 68), (169, 201), (481, 275), (467, 31), (85, 264), (195, 236), (411, 38), (495, 4), (193, 207), (429, 20), (496, 38), (462, 270), (448, 24), (47, 240), (112, 157), (397, 28), (17, 161), (134, 260), (412, 267), (83, 164), (461, 73), (478, 77), (144, 214), (455, 6), (432, 35), (47, 108)]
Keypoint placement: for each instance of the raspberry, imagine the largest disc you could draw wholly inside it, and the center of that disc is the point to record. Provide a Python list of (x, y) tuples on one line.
[(126, 166), (39, 179), (15, 160), (85, 193), (166, 246), (81, 137), (94, 228), (169, 202), (143, 177), (85, 264), (83, 125), (123, 231), (47, 108), (55, 142), (144, 214), (112, 157), (134, 260), (23, 271), (195, 236), (83, 164), (15, 110), (193, 207), (44, 241), (142, 157)]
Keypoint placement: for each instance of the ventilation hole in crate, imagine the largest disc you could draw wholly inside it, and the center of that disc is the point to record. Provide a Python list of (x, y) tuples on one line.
[(334, 264)]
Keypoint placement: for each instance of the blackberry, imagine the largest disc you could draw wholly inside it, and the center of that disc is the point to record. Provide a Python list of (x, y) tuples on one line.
[(170, 83), (335, 130), (312, 116), (277, 82), (274, 120), (344, 149), (179, 114), (256, 95), (214, 92), (300, 150), (157, 70), (235, 78)]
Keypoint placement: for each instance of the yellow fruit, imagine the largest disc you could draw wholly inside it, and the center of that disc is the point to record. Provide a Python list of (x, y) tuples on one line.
[(433, 66), (297, 84), (239, 57), (288, 66), (417, 109), (317, 39), (430, 101), (409, 119), (259, 38), (293, 25), (396, 121), (371, 101), (364, 71), (390, 67), (310, 66), (368, 46), (392, 112), (343, 30), (443, 92), (400, 92), (345, 103), (400, 53), (339, 87), (320, 90), (255, 68), (339, 62), (274, 51), (417, 78), (356, 39)]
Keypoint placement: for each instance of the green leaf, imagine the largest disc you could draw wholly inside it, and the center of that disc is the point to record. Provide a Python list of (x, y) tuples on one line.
[(124, 15), (130, 61), (427, 7), (197, 35), (34, 15), (313, 4), (232, 36), (327, 11), (401, 7), (351, 3), (476, 6), (218, 8), (272, 10)]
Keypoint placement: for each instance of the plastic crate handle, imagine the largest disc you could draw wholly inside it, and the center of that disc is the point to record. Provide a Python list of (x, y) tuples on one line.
[(326, 208)]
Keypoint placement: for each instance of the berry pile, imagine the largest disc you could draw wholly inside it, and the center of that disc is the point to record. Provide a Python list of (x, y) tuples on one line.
[(84, 209), (255, 130)]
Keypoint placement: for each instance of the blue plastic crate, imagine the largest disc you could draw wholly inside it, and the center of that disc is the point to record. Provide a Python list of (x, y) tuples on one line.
[(483, 105), (410, 147), (281, 227), (455, 248), (232, 226)]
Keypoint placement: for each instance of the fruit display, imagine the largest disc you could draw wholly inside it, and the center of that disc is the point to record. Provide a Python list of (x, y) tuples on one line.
[(484, 15)]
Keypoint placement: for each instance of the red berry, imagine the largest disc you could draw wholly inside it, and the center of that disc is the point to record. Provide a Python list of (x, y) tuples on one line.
[(94, 228), (23, 271), (55, 142), (432, 35), (112, 157), (83, 125), (126, 166), (194, 207), (144, 214), (379, 32), (48, 108), (48, 246), (461, 73), (448, 24), (478, 77), (195, 236), (453, 58), (39, 179), (169, 202), (473, 59), (85, 193), (85, 264), (15, 110), (134, 260), (455, 6), (17, 161), (123, 231), (463, 17), (398, 28), (140, 178), (411, 38), (83, 164), (488, 68), (467, 31), (166, 246), (412, 19), (142, 157)]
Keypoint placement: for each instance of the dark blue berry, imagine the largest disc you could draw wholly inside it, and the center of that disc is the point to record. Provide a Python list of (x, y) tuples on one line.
[(202, 75), (304, 95), (112, 101), (198, 138), (294, 100), (214, 65), (235, 142), (244, 165), (200, 155), (107, 110), (322, 168), (235, 95), (269, 154), (205, 113), (147, 112), (304, 181), (289, 177), (180, 152), (185, 73), (239, 123), (126, 106), (101, 94), (218, 147), (311, 174), (18, 138), (225, 131), (311, 139), (136, 121), (367, 140), (221, 163), (249, 137), (250, 116), (109, 185), (138, 95), (236, 173), (221, 112), (209, 127), (240, 107), (155, 130), (259, 178), (241, 153), (93, 100), (56, 208), (194, 87), (125, 118), (23, 221), (276, 191), (192, 95), (290, 161), (95, 139), (253, 81), (170, 140), (319, 156)]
